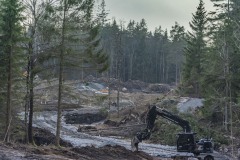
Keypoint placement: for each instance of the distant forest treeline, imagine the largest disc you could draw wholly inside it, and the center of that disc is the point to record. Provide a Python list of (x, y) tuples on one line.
[(135, 53)]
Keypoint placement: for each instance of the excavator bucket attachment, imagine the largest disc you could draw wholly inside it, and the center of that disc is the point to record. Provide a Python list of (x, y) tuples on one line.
[(134, 143)]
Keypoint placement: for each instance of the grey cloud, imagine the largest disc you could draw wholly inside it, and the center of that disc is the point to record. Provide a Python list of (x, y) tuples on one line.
[(156, 12)]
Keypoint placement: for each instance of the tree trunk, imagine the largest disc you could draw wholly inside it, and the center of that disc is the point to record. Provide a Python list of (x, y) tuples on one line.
[(31, 95), (167, 74), (118, 94), (226, 74), (60, 85), (131, 63), (26, 106), (9, 97), (156, 65), (176, 74), (130, 66), (163, 68), (109, 92), (59, 107)]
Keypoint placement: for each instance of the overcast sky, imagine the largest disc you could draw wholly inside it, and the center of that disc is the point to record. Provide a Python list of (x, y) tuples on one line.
[(155, 12)]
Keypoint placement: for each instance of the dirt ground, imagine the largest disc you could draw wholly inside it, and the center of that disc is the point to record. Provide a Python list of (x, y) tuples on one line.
[(137, 99), (28, 152), (47, 151)]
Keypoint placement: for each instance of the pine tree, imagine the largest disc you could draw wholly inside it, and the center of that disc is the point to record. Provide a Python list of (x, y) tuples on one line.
[(36, 11), (102, 15), (159, 45), (131, 47), (194, 52), (141, 57), (114, 43), (221, 77), (3, 82), (234, 15), (65, 20), (11, 36), (74, 45), (175, 57)]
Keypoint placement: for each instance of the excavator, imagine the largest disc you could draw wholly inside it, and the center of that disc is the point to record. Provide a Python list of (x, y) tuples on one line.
[(186, 141)]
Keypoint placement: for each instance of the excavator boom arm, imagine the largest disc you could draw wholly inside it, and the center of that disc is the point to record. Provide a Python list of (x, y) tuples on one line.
[(150, 119), (175, 119)]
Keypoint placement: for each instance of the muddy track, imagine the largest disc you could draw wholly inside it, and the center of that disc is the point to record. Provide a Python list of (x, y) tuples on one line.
[(47, 120)]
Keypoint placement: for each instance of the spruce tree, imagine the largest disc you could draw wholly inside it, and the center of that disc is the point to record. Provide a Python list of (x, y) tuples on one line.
[(175, 57), (36, 11), (11, 36), (221, 78), (194, 52), (141, 57), (102, 15), (74, 45), (66, 27)]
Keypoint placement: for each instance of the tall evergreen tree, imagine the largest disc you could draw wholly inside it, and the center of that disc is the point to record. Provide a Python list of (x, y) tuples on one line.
[(66, 14), (194, 52), (234, 15), (114, 38), (11, 36), (175, 57), (35, 11), (139, 69), (221, 79), (131, 47), (102, 15), (75, 44)]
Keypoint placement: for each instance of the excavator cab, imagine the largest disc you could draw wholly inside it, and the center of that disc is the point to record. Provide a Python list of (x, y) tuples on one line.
[(205, 146), (186, 142)]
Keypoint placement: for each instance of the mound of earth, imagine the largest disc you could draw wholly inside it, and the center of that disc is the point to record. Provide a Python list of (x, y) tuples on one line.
[(111, 153)]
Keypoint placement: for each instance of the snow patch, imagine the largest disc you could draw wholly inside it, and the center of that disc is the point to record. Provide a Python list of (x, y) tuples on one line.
[(187, 104)]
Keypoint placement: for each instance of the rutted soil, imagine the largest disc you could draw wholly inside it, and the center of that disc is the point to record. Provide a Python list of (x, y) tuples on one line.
[(45, 150), (26, 152)]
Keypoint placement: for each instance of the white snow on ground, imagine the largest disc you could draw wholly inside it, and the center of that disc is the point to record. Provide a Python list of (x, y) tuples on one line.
[(47, 120), (187, 104)]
